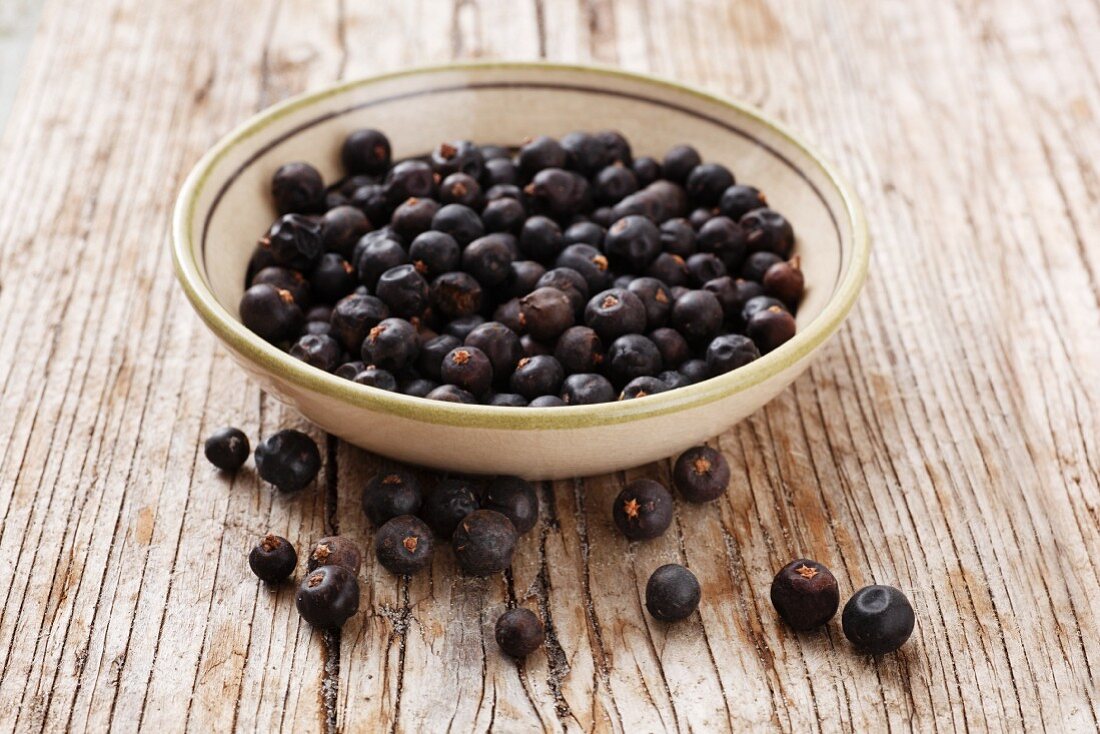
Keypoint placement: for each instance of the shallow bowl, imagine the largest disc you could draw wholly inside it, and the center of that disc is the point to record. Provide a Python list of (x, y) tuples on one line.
[(225, 205)]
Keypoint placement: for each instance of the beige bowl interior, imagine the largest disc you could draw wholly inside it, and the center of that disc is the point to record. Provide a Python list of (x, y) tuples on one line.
[(225, 206)]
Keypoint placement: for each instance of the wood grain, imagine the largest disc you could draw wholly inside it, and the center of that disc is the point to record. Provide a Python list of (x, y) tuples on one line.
[(945, 442)]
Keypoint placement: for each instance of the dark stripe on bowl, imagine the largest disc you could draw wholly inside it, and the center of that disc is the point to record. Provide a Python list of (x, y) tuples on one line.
[(520, 85)]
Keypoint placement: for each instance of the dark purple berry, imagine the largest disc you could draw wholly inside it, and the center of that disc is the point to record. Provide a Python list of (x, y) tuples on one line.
[(767, 229), (333, 278), (454, 295), (640, 387), (335, 550), (452, 394), (460, 156), (297, 188), (785, 281), (519, 632), (679, 162), (318, 350), (341, 228), (461, 222), (328, 597), (539, 153), (404, 290), (294, 241), (288, 459), (697, 315), (672, 593), (631, 356), (537, 375), (410, 179), (489, 259), (391, 345), (514, 498), (701, 474), (404, 545), (587, 388), (579, 349), (273, 559), (878, 619), (430, 361), (500, 344), (392, 493), (588, 261), (546, 313), (484, 542), (614, 313), (805, 594), (770, 328), (271, 313), (738, 200), (451, 501), (707, 182), (655, 297), (376, 377), (354, 316), (366, 151), (468, 368), (643, 510), (757, 264), (730, 351), (227, 448), (633, 241), (671, 344)]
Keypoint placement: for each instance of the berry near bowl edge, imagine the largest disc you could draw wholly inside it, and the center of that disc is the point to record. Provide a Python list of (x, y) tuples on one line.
[(223, 206)]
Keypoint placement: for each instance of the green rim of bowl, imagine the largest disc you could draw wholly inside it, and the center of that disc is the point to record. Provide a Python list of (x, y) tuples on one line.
[(272, 359)]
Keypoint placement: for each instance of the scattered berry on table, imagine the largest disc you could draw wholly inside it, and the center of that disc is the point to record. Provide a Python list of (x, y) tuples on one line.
[(484, 542), (288, 459), (404, 544), (701, 474), (643, 510), (336, 550), (227, 448), (878, 619), (519, 632), (328, 596), (391, 493), (514, 498), (805, 594), (672, 593), (446, 505), (273, 559)]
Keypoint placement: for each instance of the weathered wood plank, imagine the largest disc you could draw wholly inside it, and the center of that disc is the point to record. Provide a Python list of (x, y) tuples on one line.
[(945, 442)]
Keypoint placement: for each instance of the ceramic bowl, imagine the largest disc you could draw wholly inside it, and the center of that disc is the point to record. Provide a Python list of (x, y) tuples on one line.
[(225, 205)]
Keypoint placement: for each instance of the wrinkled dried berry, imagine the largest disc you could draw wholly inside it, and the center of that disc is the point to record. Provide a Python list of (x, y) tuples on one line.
[(318, 350), (519, 632), (297, 187), (484, 542), (631, 356), (353, 318), (404, 544), (547, 312), (730, 351), (335, 550)]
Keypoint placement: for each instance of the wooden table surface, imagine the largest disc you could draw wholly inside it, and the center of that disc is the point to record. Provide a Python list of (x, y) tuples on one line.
[(944, 442)]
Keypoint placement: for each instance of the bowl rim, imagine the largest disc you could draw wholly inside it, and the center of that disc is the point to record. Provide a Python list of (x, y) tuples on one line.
[(271, 358)]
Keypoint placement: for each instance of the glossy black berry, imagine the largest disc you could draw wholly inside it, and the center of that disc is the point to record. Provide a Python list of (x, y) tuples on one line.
[(392, 493), (643, 510), (703, 267), (646, 170), (701, 215), (614, 183), (297, 187), (557, 193), (348, 370), (724, 238), (499, 171), (678, 238), (335, 550), (584, 153), (655, 297), (271, 313), (697, 315), (404, 291), (366, 151), (587, 388), (451, 501), (669, 269), (674, 379), (392, 345), (413, 216), (294, 241), (589, 262), (569, 282), (523, 277), (272, 559), (333, 278), (547, 312), (579, 349), (539, 153), (376, 377), (730, 351), (404, 544), (227, 448), (805, 594), (462, 326), (695, 370), (770, 328), (373, 200), (707, 182), (878, 619), (376, 255), (547, 401), (631, 356), (409, 179), (640, 387), (585, 232), (468, 368), (434, 253), (504, 215), (507, 400), (489, 259), (672, 593), (757, 264), (452, 394), (484, 542), (519, 632), (460, 156), (767, 229), (537, 375), (679, 162), (318, 350), (738, 200), (354, 316), (504, 191), (461, 222), (430, 360), (417, 387), (288, 459), (632, 242), (284, 279), (671, 344), (499, 344), (540, 239), (341, 228), (701, 474), (328, 597), (614, 313)]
